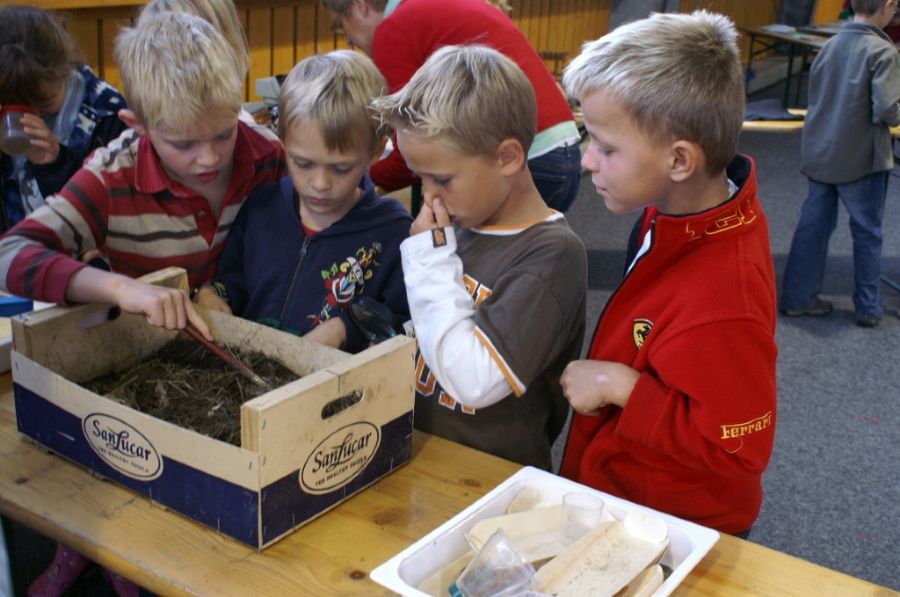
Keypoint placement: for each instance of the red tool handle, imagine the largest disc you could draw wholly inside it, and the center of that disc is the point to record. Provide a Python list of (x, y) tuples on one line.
[(191, 330)]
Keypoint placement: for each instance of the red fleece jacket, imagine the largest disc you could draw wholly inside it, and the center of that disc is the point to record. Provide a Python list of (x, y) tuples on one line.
[(695, 317)]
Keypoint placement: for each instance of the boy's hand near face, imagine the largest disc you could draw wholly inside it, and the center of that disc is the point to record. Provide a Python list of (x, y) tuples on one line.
[(431, 215), (44, 144), (591, 385), (208, 297)]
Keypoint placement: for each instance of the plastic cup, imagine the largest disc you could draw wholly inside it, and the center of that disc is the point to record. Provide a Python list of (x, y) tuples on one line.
[(582, 513), (496, 571), (13, 138)]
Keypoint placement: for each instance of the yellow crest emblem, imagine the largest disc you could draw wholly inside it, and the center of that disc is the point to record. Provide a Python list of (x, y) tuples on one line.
[(640, 330)]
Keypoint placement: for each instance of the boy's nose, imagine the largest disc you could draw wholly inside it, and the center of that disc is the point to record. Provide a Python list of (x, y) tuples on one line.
[(428, 193), (208, 156), (587, 159), (321, 181)]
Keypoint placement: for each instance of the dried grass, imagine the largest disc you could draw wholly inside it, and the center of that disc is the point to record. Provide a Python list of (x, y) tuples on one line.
[(185, 384)]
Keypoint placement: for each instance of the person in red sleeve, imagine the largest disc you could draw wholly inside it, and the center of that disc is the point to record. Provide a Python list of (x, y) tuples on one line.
[(676, 403), (400, 35)]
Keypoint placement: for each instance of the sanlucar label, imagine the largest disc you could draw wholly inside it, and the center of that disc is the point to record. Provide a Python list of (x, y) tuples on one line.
[(122, 446), (340, 457)]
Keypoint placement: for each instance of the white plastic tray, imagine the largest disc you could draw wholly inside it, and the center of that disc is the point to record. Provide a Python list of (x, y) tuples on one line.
[(404, 572)]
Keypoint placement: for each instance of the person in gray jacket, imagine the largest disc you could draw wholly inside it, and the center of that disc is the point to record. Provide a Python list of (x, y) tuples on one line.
[(854, 88)]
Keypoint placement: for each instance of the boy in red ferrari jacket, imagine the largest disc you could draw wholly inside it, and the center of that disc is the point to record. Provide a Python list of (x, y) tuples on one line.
[(675, 406)]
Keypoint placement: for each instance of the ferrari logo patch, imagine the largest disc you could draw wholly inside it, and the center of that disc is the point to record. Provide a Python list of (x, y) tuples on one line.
[(640, 330)]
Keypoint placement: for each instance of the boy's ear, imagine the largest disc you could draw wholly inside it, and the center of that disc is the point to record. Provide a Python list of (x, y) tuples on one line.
[(131, 121), (685, 158), (511, 156)]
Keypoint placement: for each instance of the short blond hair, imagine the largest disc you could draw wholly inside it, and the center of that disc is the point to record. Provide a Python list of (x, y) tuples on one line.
[(471, 96), (334, 90), (677, 75), (177, 69), (221, 14)]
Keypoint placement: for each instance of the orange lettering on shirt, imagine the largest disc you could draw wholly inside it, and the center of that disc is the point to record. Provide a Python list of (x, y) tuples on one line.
[(424, 386), (752, 426)]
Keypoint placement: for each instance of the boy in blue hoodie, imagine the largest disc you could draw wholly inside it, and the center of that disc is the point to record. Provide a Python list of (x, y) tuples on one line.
[(304, 248)]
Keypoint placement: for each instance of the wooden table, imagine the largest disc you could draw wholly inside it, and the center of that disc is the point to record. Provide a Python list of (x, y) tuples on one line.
[(789, 126), (827, 29), (769, 37), (171, 555)]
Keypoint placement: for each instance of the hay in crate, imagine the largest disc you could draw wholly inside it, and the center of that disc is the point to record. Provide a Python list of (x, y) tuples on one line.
[(185, 384)]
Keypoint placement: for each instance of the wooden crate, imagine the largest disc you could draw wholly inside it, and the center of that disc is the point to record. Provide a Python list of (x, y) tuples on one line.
[(292, 465)]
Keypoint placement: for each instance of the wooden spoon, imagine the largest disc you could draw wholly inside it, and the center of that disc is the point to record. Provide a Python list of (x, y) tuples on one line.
[(191, 330)]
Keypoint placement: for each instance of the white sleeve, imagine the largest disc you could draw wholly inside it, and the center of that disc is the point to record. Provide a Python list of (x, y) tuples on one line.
[(443, 315)]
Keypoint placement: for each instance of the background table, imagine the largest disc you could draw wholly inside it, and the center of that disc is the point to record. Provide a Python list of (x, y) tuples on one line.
[(171, 555), (769, 37)]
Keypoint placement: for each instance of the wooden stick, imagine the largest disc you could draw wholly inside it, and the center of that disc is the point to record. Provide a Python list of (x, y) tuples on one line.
[(223, 354)]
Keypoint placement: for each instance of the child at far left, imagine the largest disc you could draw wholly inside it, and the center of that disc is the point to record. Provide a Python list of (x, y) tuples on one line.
[(65, 110)]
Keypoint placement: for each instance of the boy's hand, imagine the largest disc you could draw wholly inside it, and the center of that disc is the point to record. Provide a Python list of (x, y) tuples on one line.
[(44, 144), (591, 385), (433, 215), (208, 297), (165, 307)]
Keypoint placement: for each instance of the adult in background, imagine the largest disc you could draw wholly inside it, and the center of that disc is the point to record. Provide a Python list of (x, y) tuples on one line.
[(400, 35), (854, 87)]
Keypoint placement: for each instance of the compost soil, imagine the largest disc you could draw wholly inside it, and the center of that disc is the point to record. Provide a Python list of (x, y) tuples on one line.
[(185, 384)]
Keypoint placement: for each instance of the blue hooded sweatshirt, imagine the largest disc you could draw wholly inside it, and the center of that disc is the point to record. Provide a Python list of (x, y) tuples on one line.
[(273, 273)]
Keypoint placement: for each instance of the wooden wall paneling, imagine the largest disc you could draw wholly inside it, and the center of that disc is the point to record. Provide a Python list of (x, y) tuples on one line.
[(242, 17), (73, 4), (744, 14), (561, 25), (305, 31), (325, 39), (556, 13), (826, 10), (531, 19), (543, 21), (259, 38), (112, 21), (518, 14), (85, 30), (284, 52), (581, 31), (569, 43)]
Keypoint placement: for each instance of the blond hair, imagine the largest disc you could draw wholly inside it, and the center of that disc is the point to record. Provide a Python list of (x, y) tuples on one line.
[(221, 14), (677, 75), (177, 69), (472, 96), (334, 90)]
